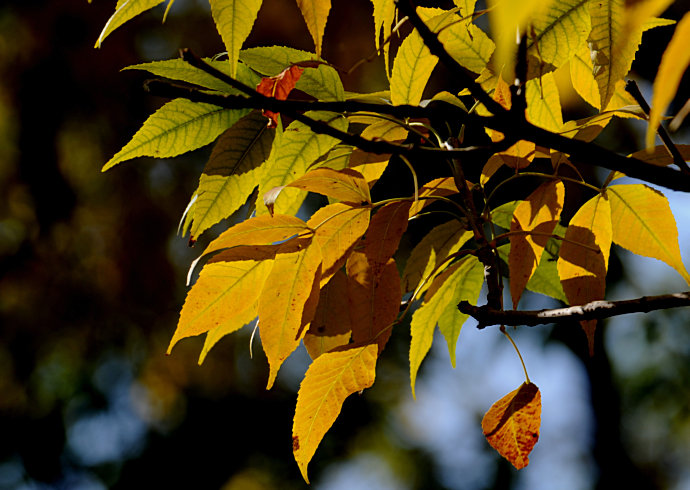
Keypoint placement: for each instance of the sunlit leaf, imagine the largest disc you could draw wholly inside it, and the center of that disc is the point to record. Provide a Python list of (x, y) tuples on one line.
[(674, 62), (289, 285), (345, 185), (124, 11), (512, 424), (441, 187), (234, 20), (533, 222), (177, 127), (232, 171), (338, 227), (279, 87), (329, 380), (384, 16), (467, 44), (315, 13), (544, 103), (331, 326), (461, 281), (643, 223), (584, 257)]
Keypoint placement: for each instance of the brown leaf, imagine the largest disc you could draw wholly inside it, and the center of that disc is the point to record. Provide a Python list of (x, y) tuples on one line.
[(512, 424), (279, 87), (331, 325)]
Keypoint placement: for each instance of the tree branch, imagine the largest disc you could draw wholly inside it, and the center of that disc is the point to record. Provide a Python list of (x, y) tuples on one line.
[(595, 310)]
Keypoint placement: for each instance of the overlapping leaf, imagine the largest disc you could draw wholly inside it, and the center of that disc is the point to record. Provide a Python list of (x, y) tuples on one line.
[(330, 379), (125, 10), (279, 87), (386, 228), (331, 326), (315, 13), (345, 185), (512, 424), (441, 187), (234, 20), (643, 223), (177, 127), (544, 103)]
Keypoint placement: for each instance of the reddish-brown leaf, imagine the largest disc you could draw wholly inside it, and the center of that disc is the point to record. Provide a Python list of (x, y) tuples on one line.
[(512, 424), (385, 230), (279, 87)]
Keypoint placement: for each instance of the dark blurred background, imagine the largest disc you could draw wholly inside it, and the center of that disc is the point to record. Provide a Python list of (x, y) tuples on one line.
[(92, 277)]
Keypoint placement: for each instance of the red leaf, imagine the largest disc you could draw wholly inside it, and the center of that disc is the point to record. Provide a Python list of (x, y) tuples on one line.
[(279, 87)]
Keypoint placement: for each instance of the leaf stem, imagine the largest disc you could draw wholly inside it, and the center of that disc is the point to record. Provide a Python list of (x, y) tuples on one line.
[(522, 361)]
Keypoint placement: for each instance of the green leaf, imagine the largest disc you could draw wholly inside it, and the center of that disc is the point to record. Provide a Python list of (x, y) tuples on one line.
[(232, 172), (462, 281), (293, 152), (503, 214), (124, 11), (178, 69), (234, 20), (177, 127), (467, 44)]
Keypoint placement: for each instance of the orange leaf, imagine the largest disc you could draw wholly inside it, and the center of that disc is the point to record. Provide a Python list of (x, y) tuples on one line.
[(660, 155), (279, 87), (283, 310), (329, 380), (512, 424), (386, 228), (345, 185), (536, 216), (584, 257), (261, 230), (331, 325), (337, 228), (445, 186), (374, 296)]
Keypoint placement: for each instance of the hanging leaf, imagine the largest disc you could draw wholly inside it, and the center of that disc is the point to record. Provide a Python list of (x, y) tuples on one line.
[(230, 325), (374, 299), (315, 13), (125, 10), (231, 173), (674, 62), (345, 185), (512, 424), (384, 16), (329, 380), (338, 228), (584, 257), (294, 277), (177, 127), (332, 325), (234, 20), (386, 228), (279, 87), (643, 223), (462, 281), (533, 222), (431, 251)]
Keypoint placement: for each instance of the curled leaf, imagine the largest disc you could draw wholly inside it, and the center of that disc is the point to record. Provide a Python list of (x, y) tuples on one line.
[(279, 87)]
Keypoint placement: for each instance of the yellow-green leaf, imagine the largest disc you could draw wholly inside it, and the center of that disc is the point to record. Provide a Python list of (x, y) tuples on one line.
[(124, 11), (338, 227), (674, 62), (177, 127), (533, 222), (260, 230), (544, 103), (584, 257), (430, 252), (332, 325), (315, 13), (467, 44), (328, 382), (345, 185), (512, 424), (234, 20), (282, 304), (462, 281), (643, 223), (292, 154), (384, 16), (232, 171)]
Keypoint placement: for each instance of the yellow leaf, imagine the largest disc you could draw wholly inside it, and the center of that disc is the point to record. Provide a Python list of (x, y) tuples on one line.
[(230, 325), (260, 230), (220, 296), (385, 230), (124, 11), (536, 216), (544, 103), (329, 381), (384, 16), (315, 13), (338, 227), (385, 130), (674, 62), (428, 254), (346, 185), (584, 257), (374, 296), (293, 280), (234, 20), (331, 326), (643, 223), (512, 424), (441, 187), (467, 44), (461, 281)]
